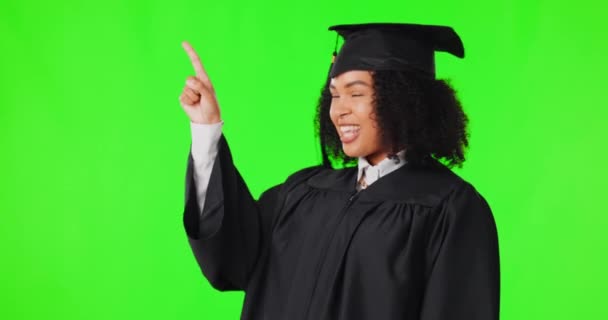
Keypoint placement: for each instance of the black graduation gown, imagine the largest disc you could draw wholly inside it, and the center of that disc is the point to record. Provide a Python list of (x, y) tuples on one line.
[(416, 244)]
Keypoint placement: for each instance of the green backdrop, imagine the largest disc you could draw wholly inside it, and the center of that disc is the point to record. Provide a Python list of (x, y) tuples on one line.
[(94, 143)]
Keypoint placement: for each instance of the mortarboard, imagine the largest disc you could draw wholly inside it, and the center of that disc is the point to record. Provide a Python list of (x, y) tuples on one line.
[(393, 46)]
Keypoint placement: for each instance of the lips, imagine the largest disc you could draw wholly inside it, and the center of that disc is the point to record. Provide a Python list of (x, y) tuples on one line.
[(348, 133)]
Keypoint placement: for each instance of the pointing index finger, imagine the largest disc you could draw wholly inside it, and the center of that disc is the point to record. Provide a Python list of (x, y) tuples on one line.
[(196, 62)]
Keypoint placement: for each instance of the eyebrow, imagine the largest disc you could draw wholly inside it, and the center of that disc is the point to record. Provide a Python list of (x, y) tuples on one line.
[(353, 83)]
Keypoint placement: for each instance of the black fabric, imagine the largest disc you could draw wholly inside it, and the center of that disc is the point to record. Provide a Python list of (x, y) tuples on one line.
[(393, 46), (417, 244)]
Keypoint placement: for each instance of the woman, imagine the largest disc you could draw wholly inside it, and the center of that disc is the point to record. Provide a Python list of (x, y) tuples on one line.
[(398, 236)]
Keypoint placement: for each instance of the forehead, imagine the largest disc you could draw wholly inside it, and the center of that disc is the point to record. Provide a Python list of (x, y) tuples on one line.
[(347, 77)]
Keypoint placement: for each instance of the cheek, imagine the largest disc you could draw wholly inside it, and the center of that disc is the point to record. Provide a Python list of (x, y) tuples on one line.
[(365, 112), (367, 116)]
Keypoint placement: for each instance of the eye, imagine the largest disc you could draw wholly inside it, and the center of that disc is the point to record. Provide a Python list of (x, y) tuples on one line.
[(335, 97), (356, 95)]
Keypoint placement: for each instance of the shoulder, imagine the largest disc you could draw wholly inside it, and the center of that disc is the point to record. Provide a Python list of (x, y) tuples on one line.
[(451, 188), (320, 177), (465, 195), (461, 205), (298, 178), (439, 181), (426, 186), (293, 180), (304, 174)]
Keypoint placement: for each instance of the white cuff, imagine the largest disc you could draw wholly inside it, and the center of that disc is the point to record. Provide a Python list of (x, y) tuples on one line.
[(205, 138)]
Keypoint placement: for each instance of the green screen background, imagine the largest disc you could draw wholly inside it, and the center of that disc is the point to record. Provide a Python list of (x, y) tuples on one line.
[(94, 142)]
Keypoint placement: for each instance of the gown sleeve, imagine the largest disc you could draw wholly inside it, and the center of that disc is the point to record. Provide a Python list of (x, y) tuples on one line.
[(463, 279), (226, 236)]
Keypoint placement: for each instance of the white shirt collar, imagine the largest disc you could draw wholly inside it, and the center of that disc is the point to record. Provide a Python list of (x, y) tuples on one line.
[(384, 167)]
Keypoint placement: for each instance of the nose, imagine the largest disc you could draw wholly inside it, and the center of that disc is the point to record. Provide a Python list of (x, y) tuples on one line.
[(340, 108), (343, 114)]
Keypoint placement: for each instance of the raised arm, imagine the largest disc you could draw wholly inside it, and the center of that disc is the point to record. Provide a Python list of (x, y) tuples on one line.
[(223, 222), (227, 235)]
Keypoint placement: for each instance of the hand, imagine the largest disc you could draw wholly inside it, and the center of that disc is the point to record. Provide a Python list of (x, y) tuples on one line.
[(198, 97)]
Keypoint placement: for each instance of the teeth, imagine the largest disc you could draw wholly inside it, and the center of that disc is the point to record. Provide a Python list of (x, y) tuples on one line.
[(349, 129)]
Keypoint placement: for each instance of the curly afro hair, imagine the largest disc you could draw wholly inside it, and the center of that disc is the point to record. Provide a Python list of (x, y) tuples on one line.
[(415, 112)]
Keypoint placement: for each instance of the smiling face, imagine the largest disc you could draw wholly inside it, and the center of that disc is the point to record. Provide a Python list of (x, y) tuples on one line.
[(352, 113)]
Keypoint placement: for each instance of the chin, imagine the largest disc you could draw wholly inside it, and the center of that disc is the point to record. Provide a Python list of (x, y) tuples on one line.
[(351, 153)]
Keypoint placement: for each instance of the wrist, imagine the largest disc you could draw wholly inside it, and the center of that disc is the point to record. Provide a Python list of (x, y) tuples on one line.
[(207, 120)]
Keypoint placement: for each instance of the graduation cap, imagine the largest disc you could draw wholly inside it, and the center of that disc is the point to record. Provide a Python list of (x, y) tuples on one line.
[(392, 46)]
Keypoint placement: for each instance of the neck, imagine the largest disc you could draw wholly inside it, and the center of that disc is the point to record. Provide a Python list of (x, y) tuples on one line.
[(375, 159)]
